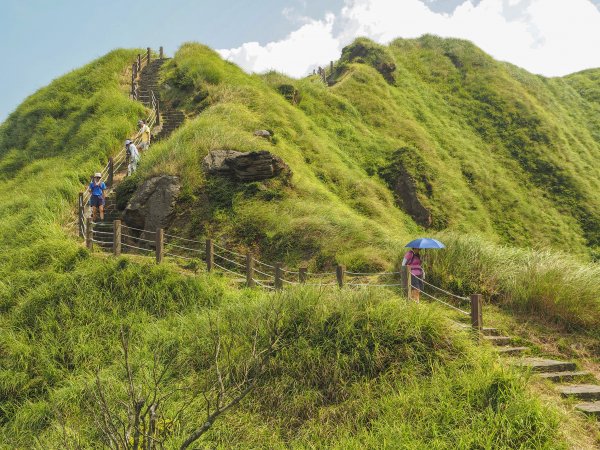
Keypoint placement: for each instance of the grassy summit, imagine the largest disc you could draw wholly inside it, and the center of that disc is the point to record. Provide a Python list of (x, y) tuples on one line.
[(486, 148)]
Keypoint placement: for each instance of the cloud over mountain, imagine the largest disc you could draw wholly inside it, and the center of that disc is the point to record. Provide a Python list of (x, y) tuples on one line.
[(549, 37)]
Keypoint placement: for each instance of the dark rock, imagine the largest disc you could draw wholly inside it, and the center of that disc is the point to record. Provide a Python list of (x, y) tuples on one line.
[(252, 166), (152, 203), (405, 171), (215, 162), (406, 195)]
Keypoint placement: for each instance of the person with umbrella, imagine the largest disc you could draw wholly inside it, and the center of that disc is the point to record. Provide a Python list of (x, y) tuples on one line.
[(412, 258)]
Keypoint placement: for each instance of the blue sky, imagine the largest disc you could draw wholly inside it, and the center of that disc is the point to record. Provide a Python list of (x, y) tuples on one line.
[(42, 40)]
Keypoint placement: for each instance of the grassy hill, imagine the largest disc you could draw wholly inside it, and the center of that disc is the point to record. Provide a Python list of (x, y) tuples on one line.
[(499, 158), (488, 148)]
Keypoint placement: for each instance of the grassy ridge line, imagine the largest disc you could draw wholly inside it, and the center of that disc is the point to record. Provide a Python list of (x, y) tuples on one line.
[(48, 148), (485, 153), (466, 122)]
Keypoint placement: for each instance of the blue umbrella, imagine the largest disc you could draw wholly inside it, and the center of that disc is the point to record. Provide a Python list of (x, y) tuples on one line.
[(425, 243)]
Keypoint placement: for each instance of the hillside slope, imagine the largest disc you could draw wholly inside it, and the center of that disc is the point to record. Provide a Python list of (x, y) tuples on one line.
[(452, 141), (352, 368)]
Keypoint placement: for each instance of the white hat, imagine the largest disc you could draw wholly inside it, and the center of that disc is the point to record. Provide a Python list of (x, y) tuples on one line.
[(97, 175)]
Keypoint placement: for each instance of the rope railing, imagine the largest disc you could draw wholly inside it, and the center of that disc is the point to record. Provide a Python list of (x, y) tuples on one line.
[(444, 291), (443, 302), (273, 277)]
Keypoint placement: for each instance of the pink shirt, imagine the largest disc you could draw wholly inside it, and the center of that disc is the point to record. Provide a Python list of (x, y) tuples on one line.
[(414, 261)]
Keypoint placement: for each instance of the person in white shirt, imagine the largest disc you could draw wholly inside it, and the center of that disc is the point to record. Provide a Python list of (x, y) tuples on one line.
[(133, 156), (144, 135)]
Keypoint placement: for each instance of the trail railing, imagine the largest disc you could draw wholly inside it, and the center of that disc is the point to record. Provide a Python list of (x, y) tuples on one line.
[(325, 73), (252, 272)]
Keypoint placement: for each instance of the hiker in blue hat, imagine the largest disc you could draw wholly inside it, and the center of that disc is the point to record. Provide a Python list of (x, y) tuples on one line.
[(98, 198)]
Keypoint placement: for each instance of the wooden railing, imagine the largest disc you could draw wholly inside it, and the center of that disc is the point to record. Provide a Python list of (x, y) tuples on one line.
[(254, 272)]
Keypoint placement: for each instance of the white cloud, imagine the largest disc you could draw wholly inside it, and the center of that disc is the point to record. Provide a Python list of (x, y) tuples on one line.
[(308, 46), (550, 37)]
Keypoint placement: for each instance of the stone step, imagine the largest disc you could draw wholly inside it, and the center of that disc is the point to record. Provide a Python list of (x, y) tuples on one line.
[(546, 365), (498, 340), (589, 408), (513, 350), (490, 331), (580, 391), (557, 377)]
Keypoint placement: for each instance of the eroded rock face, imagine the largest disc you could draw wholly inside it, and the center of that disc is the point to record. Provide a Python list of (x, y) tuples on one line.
[(404, 179), (405, 191), (251, 166), (152, 203)]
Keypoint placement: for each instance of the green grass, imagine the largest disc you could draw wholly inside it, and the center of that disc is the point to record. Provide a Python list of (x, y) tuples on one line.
[(493, 152), (485, 145)]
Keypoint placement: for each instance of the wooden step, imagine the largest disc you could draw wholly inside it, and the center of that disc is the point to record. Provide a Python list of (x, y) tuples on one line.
[(580, 391), (558, 377), (546, 365), (498, 340), (589, 408), (513, 350)]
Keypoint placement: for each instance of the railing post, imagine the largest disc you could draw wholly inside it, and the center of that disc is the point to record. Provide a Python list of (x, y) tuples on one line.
[(339, 274), (139, 62), (111, 172), (161, 52), (160, 242), (117, 238), (249, 270), (210, 255), (278, 276), (476, 312), (148, 55), (81, 212), (302, 274), (88, 233), (408, 281), (133, 80)]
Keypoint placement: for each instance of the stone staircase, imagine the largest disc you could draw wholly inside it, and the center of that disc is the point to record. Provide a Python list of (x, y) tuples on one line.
[(170, 118), (560, 372), (111, 213)]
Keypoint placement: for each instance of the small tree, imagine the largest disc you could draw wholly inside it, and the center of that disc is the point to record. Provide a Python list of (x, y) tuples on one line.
[(136, 420)]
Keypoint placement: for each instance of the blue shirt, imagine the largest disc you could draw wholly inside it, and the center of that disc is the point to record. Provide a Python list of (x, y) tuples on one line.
[(97, 188)]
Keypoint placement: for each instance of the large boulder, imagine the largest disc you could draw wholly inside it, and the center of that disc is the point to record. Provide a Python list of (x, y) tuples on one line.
[(152, 203), (251, 166), (215, 162)]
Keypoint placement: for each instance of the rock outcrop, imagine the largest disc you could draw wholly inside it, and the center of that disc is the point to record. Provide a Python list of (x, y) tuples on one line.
[(408, 177), (152, 203), (263, 133), (251, 166)]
